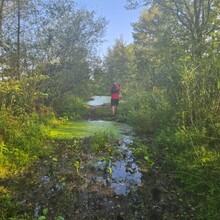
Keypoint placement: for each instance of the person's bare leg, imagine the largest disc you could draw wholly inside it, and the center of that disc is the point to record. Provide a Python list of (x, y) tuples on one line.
[(113, 110)]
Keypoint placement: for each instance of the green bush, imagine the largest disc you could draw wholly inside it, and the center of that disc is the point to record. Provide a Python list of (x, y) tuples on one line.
[(70, 106), (141, 152), (146, 111), (22, 140), (102, 141), (195, 164)]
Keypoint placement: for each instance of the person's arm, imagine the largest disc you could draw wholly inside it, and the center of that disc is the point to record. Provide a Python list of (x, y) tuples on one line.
[(119, 88)]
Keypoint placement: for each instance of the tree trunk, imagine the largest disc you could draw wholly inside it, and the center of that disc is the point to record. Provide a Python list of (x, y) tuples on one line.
[(18, 39)]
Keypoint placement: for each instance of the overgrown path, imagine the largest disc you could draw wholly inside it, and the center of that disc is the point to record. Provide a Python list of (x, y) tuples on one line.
[(78, 181)]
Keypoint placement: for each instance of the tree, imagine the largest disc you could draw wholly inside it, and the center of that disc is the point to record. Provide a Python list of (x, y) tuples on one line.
[(52, 38), (13, 33), (117, 64), (197, 19)]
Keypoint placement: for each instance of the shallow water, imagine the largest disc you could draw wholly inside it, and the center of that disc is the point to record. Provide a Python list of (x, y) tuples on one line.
[(125, 172), (125, 175), (99, 100)]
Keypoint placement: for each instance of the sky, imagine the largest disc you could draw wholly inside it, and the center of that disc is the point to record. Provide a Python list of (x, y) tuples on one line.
[(119, 19)]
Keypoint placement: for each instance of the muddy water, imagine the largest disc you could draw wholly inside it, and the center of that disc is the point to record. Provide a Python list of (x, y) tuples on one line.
[(106, 184), (123, 173), (74, 182)]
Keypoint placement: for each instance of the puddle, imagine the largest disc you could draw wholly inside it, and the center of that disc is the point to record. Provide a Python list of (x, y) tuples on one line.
[(104, 188), (125, 175), (119, 173)]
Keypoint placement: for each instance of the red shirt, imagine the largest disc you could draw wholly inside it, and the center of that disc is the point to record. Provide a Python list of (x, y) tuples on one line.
[(116, 95)]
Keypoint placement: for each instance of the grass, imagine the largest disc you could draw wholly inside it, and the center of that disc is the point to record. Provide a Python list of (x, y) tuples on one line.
[(195, 165)]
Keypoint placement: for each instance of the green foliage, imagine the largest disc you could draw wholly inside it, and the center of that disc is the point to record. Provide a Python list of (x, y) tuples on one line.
[(118, 65), (199, 96), (196, 167), (102, 113), (183, 102), (147, 112), (10, 209), (70, 106), (22, 97), (170, 74), (59, 218), (102, 141), (45, 213), (77, 166), (22, 124), (141, 152), (26, 132)]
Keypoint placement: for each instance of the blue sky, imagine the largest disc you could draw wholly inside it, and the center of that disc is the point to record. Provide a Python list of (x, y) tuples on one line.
[(119, 19)]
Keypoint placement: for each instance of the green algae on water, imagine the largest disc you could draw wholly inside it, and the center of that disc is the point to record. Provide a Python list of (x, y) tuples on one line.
[(81, 129)]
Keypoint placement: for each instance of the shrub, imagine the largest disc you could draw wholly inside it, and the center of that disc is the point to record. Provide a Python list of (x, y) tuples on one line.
[(22, 140), (70, 106), (102, 141), (195, 164), (147, 112)]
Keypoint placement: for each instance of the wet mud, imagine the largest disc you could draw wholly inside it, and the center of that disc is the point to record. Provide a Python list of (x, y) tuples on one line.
[(97, 188)]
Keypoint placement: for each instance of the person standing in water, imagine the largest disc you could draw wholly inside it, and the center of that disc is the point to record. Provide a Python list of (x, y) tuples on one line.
[(115, 98)]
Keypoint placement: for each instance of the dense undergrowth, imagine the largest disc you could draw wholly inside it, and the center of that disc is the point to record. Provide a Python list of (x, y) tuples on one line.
[(169, 76), (24, 125), (190, 144), (196, 168)]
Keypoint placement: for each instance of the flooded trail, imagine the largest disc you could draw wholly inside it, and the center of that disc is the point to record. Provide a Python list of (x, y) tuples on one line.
[(77, 183), (100, 187), (123, 175), (84, 179)]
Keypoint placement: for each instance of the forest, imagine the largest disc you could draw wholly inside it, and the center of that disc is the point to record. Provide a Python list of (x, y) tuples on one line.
[(170, 77)]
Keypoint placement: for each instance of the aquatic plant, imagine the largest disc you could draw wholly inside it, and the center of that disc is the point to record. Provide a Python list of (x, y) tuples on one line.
[(77, 166), (140, 151), (102, 141)]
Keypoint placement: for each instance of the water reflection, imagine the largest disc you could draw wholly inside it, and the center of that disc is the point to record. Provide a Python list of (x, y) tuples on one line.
[(125, 176), (99, 100)]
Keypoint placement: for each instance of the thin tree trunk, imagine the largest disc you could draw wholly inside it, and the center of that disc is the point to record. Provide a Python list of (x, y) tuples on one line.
[(1, 33), (1, 17), (18, 40)]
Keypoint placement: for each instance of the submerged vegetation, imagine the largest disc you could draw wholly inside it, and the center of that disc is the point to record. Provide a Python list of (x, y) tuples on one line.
[(170, 77)]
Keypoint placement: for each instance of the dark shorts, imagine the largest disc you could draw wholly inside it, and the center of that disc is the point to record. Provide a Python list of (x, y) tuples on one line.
[(114, 102)]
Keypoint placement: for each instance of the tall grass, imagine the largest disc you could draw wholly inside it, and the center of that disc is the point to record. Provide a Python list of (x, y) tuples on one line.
[(146, 111)]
